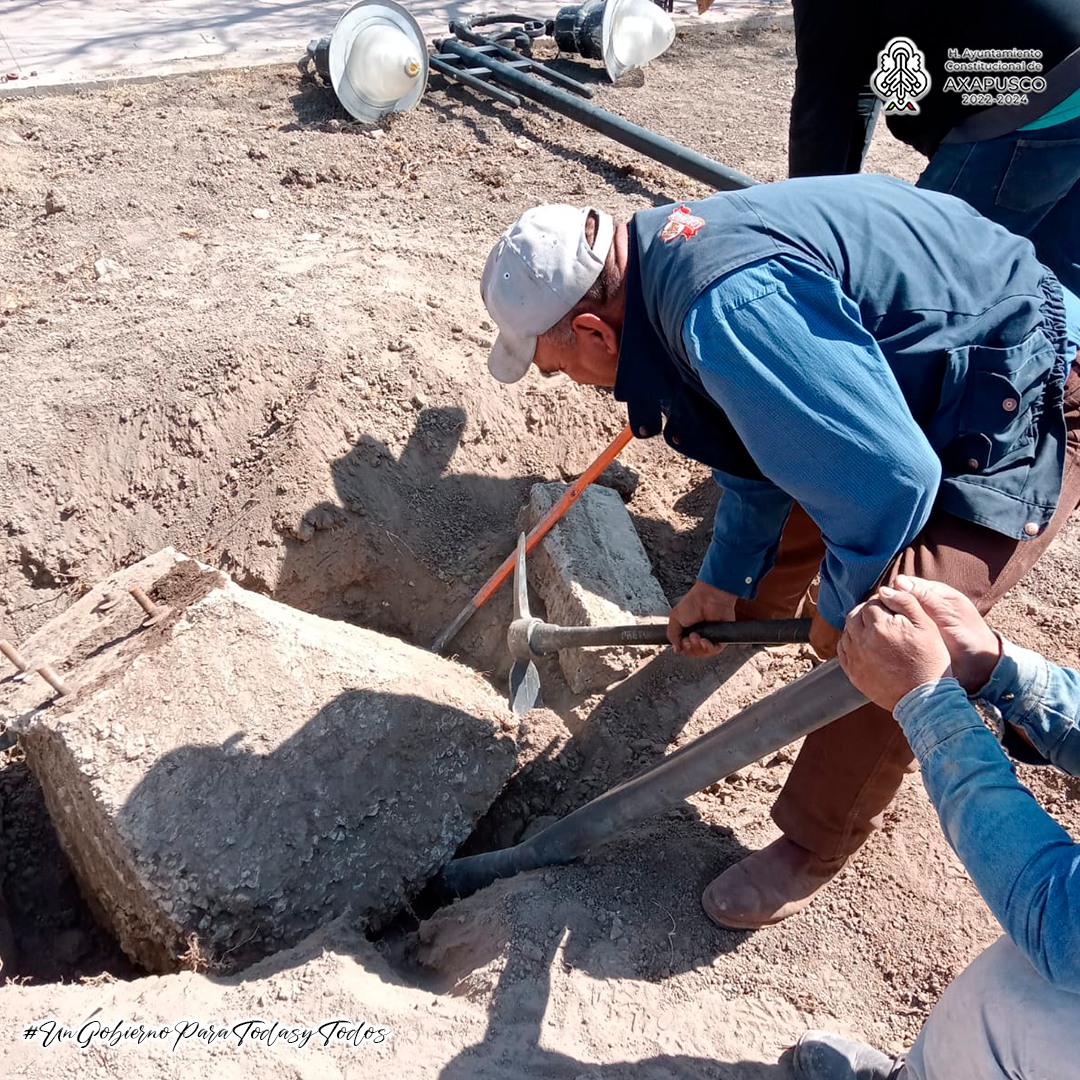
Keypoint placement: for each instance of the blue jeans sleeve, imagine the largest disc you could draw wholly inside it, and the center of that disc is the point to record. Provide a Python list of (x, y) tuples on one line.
[(1042, 700), (746, 532), (1024, 864), (782, 351)]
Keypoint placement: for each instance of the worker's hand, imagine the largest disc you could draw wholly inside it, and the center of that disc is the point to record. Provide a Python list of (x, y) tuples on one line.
[(823, 637), (974, 648), (703, 603), (891, 645)]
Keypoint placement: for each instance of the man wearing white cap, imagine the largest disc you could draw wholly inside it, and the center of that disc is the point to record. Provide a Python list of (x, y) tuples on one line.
[(871, 401)]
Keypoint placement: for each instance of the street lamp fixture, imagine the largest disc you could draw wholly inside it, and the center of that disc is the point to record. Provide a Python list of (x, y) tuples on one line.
[(624, 34), (378, 60)]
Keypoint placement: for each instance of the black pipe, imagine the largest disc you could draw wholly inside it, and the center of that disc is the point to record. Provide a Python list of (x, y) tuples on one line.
[(717, 176), (452, 72), (460, 29), (795, 710)]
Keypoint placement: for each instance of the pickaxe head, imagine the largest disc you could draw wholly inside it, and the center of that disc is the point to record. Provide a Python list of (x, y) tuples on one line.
[(524, 678)]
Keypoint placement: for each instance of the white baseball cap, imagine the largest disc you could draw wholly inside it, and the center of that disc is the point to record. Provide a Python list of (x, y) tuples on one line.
[(540, 268)]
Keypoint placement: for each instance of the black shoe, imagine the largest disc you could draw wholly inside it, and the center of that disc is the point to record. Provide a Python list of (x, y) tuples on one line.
[(821, 1056)]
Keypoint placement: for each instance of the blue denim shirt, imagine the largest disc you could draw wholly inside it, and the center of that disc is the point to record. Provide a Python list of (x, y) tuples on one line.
[(1024, 864), (782, 350)]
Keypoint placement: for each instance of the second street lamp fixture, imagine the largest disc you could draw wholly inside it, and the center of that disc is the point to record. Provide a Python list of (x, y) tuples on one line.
[(624, 34)]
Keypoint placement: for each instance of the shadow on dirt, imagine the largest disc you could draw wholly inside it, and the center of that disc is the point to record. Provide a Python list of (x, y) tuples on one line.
[(676, 554), (564, 942), (317, 106), (399, 547), (623, 178), (516, 1030), (53, 935), (617, 740)]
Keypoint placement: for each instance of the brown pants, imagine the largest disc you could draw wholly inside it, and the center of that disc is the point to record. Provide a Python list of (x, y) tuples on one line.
[(847, 773)]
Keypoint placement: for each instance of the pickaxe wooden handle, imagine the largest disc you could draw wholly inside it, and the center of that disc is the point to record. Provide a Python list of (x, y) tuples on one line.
[(536, 534)]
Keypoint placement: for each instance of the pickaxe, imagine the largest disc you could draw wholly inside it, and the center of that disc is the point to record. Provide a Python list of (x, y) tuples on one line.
[(529, 637), (536, 534)]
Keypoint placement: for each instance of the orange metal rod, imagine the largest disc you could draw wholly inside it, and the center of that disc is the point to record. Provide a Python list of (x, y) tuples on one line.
[(536, 534)]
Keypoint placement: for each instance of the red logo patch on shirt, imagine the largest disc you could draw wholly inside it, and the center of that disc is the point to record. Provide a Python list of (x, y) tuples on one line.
[(682, 223)]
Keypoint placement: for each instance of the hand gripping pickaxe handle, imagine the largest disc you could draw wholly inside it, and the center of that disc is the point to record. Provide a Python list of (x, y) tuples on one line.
[(528, 637)]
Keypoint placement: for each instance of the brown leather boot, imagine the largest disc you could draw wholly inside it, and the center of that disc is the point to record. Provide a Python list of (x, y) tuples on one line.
[(768, 886)]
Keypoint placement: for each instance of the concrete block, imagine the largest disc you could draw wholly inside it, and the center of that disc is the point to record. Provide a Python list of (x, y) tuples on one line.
[(242, 772), (592, 570)]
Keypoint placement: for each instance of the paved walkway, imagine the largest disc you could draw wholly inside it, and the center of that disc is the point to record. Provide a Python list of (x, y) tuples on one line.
[(53, 42)]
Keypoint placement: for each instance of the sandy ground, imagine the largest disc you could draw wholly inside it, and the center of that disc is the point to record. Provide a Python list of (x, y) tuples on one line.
[(298, 397)]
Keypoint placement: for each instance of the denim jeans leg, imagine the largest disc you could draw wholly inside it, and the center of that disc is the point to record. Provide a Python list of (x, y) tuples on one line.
[(1057, 240), (1028, 181), (972, 172), (998, 1019)]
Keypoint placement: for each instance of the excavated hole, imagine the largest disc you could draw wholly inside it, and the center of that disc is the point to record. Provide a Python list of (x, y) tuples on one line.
[(354, 559)]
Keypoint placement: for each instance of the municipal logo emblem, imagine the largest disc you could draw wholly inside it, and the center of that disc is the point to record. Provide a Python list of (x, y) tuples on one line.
[(901, 79), (682, 223)]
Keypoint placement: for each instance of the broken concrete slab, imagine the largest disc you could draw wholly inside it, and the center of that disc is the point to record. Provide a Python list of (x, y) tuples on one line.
[(592, 570), (238, 774)]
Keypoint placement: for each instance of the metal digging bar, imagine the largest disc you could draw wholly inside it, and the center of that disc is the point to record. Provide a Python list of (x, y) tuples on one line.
[(503, 64), (795, 710)]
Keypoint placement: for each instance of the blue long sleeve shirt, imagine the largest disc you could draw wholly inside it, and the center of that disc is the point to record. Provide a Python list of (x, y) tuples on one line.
[(1024, 864), (782, 350)]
